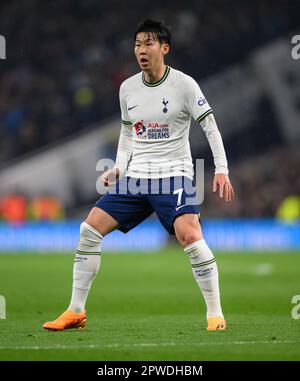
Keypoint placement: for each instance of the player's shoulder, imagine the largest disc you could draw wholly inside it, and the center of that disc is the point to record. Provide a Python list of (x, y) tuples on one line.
[(131, 83), (185, 81)]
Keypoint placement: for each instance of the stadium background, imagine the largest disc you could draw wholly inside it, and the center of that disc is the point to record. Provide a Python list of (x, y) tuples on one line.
[(59, 114)]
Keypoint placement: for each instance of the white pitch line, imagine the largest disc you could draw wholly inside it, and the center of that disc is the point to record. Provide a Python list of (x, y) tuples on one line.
[(104, 346)]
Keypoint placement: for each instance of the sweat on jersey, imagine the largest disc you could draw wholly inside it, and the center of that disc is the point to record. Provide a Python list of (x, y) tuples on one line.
[(156, 118)]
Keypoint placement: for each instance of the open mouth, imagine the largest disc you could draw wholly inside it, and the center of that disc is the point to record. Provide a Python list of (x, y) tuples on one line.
[(144, 61)]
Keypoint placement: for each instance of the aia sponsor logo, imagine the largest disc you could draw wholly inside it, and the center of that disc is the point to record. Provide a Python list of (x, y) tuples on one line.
[(153, 131), (140, 129), (157, 125)]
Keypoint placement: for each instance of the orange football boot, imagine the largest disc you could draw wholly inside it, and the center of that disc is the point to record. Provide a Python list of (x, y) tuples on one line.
[(216, 324), (67, 320)]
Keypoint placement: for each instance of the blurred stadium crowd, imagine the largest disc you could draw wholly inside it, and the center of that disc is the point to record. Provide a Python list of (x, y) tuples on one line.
[(66, 61), (17, 208), (266, 186)]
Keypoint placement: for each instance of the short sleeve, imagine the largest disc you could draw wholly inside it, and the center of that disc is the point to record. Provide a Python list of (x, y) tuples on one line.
[(196, 103), (123, 106)]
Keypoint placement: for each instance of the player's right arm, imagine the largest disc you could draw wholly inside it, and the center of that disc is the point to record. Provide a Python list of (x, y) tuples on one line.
[(124, 150)]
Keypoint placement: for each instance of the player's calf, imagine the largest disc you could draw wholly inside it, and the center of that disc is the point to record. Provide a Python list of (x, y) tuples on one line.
[(205, 272), (86, 266)]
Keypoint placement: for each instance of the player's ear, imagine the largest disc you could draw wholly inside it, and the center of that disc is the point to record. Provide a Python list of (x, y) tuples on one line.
[(165, 49)]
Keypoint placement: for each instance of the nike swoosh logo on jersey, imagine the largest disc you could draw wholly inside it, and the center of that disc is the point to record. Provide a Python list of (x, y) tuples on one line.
[(130, 108), (179, 207)]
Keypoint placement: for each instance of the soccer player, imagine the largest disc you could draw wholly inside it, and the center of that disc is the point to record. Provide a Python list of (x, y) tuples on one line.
[(156, 106)]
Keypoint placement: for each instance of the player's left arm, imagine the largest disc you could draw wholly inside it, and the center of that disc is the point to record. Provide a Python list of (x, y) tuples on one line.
[(201, 111), (221, 178)]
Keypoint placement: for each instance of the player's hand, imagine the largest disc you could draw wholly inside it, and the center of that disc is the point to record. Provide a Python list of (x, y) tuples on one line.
[(225, 188), (110, 177)]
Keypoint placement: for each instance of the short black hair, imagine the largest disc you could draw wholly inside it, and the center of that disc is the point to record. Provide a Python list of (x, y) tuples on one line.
[(158, 28)]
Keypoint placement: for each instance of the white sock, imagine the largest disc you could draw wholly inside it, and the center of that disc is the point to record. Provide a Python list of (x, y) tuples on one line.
[(86, 265), (205, 271)]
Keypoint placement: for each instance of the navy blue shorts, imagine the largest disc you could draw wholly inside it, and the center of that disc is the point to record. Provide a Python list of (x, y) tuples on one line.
[(133, 200)]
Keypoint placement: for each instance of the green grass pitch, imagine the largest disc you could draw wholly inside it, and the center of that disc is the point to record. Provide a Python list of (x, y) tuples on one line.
[(148, 307)]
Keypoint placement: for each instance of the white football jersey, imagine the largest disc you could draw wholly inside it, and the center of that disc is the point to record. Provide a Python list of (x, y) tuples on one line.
[(158, 115)]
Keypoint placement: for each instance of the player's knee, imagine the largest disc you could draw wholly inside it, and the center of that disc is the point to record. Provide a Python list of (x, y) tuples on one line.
[(189, 237), (90, 238)]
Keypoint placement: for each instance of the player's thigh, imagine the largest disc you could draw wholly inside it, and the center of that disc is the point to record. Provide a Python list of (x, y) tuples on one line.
[(187, 229), (101, 221)]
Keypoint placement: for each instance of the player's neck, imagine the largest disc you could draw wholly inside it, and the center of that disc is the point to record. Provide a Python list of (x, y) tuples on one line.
[(156, 74)]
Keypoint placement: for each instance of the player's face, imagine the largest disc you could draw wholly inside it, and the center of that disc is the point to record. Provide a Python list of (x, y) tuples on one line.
[(149, 52)]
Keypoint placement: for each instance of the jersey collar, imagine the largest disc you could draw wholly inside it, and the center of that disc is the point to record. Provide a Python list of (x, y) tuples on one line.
[(157, 83)]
